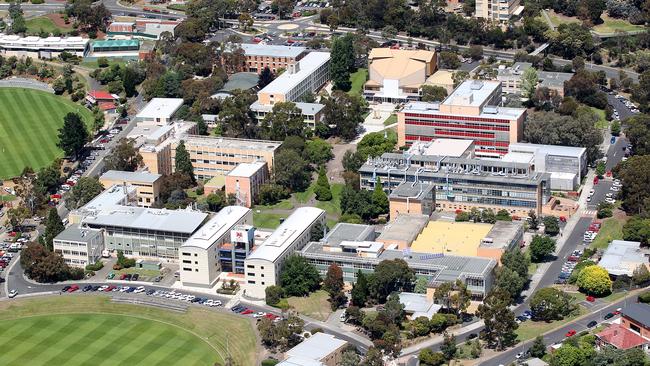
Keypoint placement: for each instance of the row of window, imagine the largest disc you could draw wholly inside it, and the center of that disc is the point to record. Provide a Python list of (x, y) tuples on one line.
[(451, 124), (409, 116)]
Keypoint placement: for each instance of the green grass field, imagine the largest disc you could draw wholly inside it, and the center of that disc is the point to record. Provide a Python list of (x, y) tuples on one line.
[(315, 305), (91, 330), (612, 229), (358, 78), (35, 25), (29, 123)]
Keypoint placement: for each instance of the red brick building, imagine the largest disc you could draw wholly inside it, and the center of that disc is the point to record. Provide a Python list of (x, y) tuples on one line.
[(633, 330)]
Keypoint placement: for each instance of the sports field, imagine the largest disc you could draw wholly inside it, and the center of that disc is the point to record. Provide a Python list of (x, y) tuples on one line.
[(91, 330), (29, 123)]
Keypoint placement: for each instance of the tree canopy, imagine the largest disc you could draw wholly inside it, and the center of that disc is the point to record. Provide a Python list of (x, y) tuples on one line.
[(298, 277), (73, 135), (124, 157), (594, 280)]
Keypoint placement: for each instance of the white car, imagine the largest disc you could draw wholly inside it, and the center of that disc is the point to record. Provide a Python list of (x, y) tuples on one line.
[(208, 302), (124, 288), (614, 189), (139, 289), (519, 355), (610, 200), (609, 195), (259, 314), (591, 192), (12, 293), (216, 303)]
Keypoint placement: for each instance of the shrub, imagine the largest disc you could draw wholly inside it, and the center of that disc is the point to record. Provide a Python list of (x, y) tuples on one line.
[(95, 266), (270, 362), (645, 297)]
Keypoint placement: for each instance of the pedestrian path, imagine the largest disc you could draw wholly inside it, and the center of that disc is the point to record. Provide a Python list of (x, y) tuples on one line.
[(589, 213)]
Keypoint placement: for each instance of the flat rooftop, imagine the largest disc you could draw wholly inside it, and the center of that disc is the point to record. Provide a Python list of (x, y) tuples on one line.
[(287, 81), (553, 79), (316, 347), (253, 49), (76, 234), (349, 232), (160, 108), (218, 226), (502, 234), (118, 175), (442, 147), (241, 80), (486, 112), (413, 190), (231, 143), (176, 221), (473, 93), (450, 237), (405, 227), (307, 109), (622, 257), (246, 169), (558, 150), (286, 234)]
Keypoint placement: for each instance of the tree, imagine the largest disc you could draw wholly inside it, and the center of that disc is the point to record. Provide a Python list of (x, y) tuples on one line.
[(638, 133), (568, 355), (17, 215), (510, 281), (375, 144), (318, 151), (183, 164), (517, 261), (449, 60), (352, 161), (577, 130), (476, 52), (594, 280), (390, 276), (541, 247), (533, 221), (551, 225), (550, 304), (265, 78), (322, 189), (124, 157), (273, 294), (499, 320), (373, 358), (448, 346), (459, 76), (429, 358), (53, 226), (538, 349), (271, 194), (635, 177), (216, 201), (503, 215), (340, 65), (529, 80), (637, 229), (349, 358), (72, 135), (284, 120), (298, 276), (615, 128), (333, 284), (83, 192), (380, 199), (360, 290), (421, 285), (346, 112), (433, 93), (291, 171), (641, 275)]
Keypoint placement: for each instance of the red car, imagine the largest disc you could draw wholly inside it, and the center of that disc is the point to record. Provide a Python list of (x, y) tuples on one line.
[(123, 276), (595, 180), (616, 312), (109, 288), (247, 311), (73, 288), (570, 333), (591, 298)]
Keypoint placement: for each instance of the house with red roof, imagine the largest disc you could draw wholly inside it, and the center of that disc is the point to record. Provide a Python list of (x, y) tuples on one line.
[(96, 97), (633, 330)]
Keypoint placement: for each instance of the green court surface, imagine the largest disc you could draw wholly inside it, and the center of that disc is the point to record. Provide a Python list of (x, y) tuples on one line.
[(29, 123), (102, 339)]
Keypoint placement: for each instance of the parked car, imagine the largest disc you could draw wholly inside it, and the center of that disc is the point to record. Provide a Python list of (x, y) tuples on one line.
[(12, 293), (87, 288), (592, 324), (135, 277), (570, 333), (247, 311), (65, 288), (591, 298), (608, 316), (73, 288), (110, 276), (123, 276)]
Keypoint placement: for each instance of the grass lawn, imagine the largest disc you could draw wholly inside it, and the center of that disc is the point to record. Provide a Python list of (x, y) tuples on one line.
[(94, 65), (558, 19), (304, 197), (35, 25), (29, 123), (390, 120), (358, 78), (602, 122), (333, 206), (7, 197), (612, 25), (267, 220), (91, 330), (531, 329), (315, 305), (611, 229), (144, 273), (282, 205)]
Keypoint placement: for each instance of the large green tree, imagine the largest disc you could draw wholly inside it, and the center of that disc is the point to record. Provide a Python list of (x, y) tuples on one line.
[(390, 276), (284, 120), (638, 133), (53, 227), (340, 64), (346, 112), (73, 135), (322, 189), (637, 229), (182, 162), (500, 325), (433, 93), (594, 280), (635, 177), (529, 81), (550, 304), (541, 247), (291, 170), (124, 157), (85, 190), (298, 276)]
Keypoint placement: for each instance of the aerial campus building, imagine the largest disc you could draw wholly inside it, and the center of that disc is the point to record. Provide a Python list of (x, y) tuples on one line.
[(498, 10), (147, 184), (470, 112), (353, 247), (511, 78), (264, 264), (275, 57), (79, 246), (137, 231), (200, 256), (42, 48), (301, 78)]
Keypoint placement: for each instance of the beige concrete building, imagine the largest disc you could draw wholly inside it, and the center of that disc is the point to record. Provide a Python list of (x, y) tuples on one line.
[(245, 181), (498, 10), (147, 184), (396, 75), (412, 198), (156, 144), (159, 111), (443, 79), (318, 350)]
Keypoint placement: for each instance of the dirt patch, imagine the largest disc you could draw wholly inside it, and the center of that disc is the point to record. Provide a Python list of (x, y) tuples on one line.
[(58, 21), (335, 166)]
